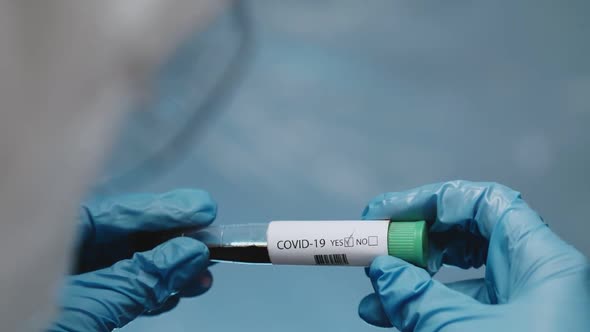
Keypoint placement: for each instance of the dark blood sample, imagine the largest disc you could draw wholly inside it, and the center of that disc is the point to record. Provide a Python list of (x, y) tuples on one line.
[(245, 254)]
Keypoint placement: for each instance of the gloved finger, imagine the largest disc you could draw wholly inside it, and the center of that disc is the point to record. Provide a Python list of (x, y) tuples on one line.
[(460, 206), (170, 304), (109, 298), (371, 311), (195, 287), (198, 286), (410, 297), (115, 228), (108, 218), (474, 207), (475, 288)]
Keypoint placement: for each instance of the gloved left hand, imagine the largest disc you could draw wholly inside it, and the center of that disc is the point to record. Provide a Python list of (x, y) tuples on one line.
[(534, 281), (114, 282)]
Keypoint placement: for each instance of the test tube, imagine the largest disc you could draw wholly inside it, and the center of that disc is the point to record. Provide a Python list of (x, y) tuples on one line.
[(241, 243), (339, 242)]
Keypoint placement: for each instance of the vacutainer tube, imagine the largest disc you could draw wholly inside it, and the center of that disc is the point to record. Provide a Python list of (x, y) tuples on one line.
[(339, 242)]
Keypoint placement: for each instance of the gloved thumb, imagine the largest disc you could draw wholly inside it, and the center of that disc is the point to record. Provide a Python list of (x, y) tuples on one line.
[(110, 298), (411, 300)]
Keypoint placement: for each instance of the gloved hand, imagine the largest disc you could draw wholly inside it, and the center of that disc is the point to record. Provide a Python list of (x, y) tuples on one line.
[(534, 281), (114, 282)]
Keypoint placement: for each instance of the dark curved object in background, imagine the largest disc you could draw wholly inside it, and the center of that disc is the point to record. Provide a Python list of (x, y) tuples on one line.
[(159, 161)]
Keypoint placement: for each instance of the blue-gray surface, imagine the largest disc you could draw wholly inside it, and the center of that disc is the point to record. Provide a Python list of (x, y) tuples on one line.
[(347, 99)]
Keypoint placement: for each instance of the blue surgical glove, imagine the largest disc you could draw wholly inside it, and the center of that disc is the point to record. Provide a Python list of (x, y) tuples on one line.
[(113, 281), (534, 281)]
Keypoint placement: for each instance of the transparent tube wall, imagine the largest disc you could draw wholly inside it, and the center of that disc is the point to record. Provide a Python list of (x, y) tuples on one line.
[(242, 243)]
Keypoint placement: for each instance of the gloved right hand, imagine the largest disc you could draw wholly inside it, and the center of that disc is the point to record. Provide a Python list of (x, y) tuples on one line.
[(534, 280), (119, 277)]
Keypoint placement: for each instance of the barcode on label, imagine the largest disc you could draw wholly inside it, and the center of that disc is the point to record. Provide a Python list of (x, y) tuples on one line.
[(334, 259)]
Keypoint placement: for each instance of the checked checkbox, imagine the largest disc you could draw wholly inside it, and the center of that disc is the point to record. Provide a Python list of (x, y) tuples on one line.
[(349, 241)]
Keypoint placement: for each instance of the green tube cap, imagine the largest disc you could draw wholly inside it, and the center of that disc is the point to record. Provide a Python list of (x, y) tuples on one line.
[(408, 240)]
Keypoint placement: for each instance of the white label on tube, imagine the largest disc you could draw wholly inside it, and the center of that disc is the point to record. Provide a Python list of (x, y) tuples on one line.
[(341, 242)]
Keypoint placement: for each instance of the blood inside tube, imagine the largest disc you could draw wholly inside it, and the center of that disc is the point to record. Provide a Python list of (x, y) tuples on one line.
[(239, 254)]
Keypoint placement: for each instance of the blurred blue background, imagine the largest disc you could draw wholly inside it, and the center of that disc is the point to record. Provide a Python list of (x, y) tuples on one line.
[(338, 101)]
